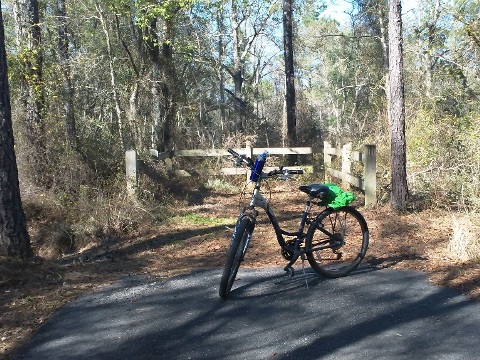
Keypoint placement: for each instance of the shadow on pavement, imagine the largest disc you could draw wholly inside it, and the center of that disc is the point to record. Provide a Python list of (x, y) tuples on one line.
[(370, 314)]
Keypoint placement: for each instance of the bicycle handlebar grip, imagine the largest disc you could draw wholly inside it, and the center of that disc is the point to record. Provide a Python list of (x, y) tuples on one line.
[(231, 151)]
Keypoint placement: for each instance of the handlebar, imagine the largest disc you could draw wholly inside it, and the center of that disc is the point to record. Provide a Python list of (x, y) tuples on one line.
[(233, 152), (284, 172), (242, 159)]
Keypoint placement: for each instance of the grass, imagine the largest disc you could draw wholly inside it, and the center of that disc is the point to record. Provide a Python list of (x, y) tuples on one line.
[(220, 185), (200, 220), (464, 243)]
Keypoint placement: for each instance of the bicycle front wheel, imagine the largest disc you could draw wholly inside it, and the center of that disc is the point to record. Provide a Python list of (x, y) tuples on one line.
[(236, 254), (337, 255)]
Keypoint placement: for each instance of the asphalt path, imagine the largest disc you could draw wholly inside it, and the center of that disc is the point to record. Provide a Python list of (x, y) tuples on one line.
[(371, 314)]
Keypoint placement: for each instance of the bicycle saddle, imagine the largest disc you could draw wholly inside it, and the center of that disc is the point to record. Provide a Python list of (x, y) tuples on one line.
[(315, 190)]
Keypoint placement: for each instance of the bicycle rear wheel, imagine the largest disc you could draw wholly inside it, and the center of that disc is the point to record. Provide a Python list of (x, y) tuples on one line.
[(236, 254), (337, 256)]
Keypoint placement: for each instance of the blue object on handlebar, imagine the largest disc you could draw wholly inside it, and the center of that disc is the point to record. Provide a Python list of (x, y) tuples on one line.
[(258, 166)]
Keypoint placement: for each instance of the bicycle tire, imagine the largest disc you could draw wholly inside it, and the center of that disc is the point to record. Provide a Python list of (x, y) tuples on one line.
[(346, 223), (238, 247)]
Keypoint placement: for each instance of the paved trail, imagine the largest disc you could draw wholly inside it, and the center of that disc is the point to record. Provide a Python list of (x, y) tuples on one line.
[(380, 314)]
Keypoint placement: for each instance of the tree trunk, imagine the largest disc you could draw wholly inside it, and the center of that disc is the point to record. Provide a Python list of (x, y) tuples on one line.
[(153, 51), (383, 23), (67, 86), (113, 78), (13, 230), (156, 106), (32, 89), (169, 84), (290, 104), (397, 108), (137, 58), (237, 69), (427, 57), (134, 120), (219, 68), (164, 83)]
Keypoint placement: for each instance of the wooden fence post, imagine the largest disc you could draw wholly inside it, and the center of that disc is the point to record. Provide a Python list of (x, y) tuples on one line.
[(249, 153), (346, 165), (327, 159), (131, 171), (370, 175)]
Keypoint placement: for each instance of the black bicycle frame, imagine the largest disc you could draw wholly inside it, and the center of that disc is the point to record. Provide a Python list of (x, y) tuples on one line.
[(259, 200)]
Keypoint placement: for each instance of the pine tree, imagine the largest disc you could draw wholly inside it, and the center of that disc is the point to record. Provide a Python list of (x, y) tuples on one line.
[(397, 108), (13, 231)]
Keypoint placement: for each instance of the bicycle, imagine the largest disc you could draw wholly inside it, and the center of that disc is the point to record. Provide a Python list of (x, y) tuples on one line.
[(334, 244)]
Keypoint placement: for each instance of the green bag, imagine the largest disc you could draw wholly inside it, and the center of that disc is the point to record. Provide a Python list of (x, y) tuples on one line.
[(336, 197)]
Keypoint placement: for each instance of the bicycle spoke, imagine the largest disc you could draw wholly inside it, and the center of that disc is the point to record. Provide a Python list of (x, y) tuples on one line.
[(341, 252)]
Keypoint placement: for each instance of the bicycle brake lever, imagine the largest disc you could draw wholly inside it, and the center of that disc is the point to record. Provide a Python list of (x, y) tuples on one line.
[(237, 162), (286, 176)]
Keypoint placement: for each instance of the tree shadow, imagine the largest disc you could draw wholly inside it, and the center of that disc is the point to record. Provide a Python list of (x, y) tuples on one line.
[(377, 314)]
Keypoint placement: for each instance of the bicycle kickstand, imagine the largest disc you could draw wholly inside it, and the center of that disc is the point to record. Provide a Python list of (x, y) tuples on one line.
[(303, 269), (291, 271)]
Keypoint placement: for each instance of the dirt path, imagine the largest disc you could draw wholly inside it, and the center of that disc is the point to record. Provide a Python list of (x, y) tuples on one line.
[(197, 238)]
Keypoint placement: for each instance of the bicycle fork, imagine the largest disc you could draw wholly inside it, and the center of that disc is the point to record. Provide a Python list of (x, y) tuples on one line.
[(252, 215)]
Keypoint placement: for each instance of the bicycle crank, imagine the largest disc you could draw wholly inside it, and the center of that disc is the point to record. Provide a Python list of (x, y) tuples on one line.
[(287, 251)]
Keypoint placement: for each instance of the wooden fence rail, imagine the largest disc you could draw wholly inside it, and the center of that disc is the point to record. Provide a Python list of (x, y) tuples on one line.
[(367, 157), (248, 150)]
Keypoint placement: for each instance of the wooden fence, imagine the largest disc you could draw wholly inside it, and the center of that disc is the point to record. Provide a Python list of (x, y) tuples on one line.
[(367, 157), (368, 183)]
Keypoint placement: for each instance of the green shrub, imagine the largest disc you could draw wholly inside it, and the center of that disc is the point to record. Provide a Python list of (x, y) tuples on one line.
[(443, 159)]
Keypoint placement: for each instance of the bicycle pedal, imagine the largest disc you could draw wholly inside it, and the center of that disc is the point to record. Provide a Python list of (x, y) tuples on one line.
[(290, 271)]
